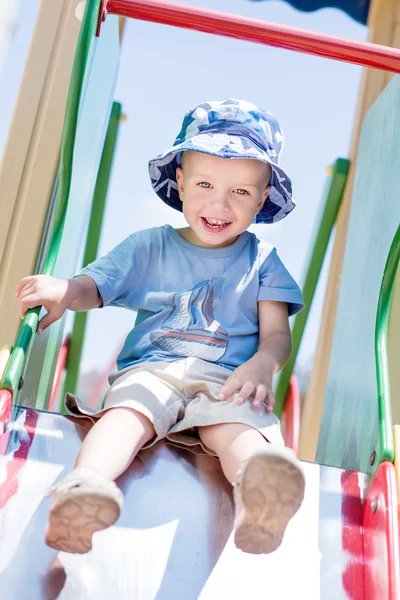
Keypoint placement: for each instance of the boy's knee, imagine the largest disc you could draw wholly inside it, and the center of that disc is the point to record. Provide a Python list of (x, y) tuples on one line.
[(222, 434)]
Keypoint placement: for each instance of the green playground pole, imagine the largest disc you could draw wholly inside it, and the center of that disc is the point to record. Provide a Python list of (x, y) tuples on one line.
[(381, 351), (335, 187), (92, 242)]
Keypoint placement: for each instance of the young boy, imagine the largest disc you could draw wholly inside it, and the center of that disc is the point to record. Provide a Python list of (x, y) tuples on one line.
[(211, 331)]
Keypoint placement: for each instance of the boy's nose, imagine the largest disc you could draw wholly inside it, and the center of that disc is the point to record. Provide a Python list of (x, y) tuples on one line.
[(221, 200)]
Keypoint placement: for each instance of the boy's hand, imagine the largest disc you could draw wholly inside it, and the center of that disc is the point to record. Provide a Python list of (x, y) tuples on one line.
[(252, 378), (38, 290)]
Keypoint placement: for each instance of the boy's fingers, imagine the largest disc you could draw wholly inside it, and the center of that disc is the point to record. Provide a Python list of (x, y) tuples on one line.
[(261, 394), (231, 385), (245, 392), (26, 290), (270, 402), (23, 306), (29, 301), (46, 321), (43, 325), (23, 283)]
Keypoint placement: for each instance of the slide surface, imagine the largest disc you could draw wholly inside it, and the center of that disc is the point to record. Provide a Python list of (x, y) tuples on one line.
[(173, 539)]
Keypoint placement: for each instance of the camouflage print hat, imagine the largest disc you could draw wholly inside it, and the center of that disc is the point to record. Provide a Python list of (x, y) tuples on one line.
[(228, 129)]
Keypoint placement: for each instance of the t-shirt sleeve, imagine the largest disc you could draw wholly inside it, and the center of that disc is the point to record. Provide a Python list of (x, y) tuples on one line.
[(277, 284), (117, 274)]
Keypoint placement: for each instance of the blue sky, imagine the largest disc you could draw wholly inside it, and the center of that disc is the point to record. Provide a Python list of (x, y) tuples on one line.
[(164, 72)]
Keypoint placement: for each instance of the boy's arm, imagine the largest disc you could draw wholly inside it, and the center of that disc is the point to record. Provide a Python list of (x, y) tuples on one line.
[(56, 295), (254, 377), (84, 294), (275, 338)]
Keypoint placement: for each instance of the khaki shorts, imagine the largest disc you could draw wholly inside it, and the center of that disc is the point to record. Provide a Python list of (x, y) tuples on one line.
[(178, 397)]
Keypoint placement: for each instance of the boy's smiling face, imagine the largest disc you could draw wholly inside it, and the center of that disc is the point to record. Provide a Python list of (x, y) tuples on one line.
[(220, 196)]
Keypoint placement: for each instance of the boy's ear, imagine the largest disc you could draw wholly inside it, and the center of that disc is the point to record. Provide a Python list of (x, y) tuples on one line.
[(263, 198), (179, 181)]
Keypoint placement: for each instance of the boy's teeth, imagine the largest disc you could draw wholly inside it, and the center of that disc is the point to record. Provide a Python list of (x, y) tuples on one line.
[(216, 222)]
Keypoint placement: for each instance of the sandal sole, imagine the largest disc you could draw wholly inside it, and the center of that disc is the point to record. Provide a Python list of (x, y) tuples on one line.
[(75, 518), (272, 490)]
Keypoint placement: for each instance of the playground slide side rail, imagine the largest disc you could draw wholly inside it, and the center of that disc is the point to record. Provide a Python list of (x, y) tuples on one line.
[(59, 371), (255, 30), (12, 375), (91, 247), (381, 350), (335, 188)]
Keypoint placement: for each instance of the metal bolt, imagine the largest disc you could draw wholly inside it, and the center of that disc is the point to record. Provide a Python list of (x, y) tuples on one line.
[(374, 506), (21, 382), (372, 458)]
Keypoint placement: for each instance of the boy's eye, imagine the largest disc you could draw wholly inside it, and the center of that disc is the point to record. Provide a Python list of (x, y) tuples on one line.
[(242, 192), (204, 184)]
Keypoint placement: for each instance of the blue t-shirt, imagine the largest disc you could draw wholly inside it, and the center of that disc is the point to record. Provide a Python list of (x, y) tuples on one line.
[(192, 301)]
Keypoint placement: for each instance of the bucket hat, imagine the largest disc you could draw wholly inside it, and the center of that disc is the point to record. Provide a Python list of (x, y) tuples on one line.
[(228, 129)]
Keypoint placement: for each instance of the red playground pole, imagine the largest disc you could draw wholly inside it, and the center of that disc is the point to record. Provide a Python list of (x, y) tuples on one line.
[(256, 30)]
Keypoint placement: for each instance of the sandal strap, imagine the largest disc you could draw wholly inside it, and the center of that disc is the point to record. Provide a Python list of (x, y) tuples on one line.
[(80, 476)]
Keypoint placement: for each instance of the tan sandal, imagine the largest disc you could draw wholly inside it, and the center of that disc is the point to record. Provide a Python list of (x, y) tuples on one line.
[(83, 502), (268, 492)]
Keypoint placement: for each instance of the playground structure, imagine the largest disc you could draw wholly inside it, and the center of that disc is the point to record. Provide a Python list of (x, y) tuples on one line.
[(357, 488)]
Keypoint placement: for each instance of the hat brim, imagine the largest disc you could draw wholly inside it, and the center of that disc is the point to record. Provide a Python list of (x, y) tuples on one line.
[(162, 170)]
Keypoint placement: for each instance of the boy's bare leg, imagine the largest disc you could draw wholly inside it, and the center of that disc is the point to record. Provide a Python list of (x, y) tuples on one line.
[(113, 442), (234, 443), (87, 500), (268, 484)]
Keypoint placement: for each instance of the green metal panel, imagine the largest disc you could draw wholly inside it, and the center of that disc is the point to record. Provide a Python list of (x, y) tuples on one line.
[(87, 116), (92, 242), (333, 197), (352, 420)]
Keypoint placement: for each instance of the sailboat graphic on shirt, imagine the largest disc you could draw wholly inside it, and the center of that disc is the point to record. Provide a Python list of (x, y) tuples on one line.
[(190, 329)]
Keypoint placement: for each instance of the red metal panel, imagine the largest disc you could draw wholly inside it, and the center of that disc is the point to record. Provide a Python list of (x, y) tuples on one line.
[(291, 414), (9, 487), (256, 30), (352, 532), (5, 411), (381, 537)]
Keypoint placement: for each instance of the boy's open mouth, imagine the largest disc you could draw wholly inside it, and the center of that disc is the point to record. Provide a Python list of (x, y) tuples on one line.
[(214, 225)]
